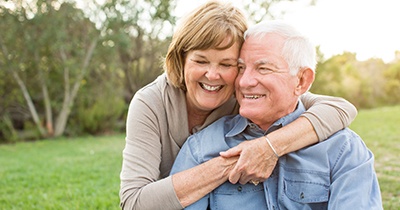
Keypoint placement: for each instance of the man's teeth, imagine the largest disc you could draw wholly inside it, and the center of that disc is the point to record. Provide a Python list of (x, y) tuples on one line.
[(253, 96), (210, 88)]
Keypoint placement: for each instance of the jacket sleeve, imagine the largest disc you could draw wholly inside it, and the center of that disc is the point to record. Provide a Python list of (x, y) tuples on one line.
[(141, 186), (327, 114)]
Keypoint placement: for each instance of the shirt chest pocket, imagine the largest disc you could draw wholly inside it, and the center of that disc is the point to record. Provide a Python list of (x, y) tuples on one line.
[(306, 191), (235, 196)]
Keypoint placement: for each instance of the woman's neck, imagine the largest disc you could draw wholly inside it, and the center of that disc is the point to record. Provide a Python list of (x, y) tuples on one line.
[(196, 116)]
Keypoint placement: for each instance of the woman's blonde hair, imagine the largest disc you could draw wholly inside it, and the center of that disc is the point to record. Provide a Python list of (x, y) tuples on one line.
[(205, 28)]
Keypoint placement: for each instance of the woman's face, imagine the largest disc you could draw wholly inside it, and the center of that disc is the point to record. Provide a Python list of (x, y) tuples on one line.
[(210, 76)]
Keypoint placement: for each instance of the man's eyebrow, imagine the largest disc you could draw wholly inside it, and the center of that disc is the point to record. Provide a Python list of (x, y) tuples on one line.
[(240, 61), (265, 61)]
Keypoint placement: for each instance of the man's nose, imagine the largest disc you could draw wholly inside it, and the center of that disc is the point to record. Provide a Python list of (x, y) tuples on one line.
[(248, 78)]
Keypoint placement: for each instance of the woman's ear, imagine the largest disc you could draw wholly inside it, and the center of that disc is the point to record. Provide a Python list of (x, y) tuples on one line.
[(306, 77)]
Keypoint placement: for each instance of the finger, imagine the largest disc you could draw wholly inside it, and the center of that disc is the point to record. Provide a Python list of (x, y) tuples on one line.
[(235, 151), (234, 177), (237, 171), (244, 179)]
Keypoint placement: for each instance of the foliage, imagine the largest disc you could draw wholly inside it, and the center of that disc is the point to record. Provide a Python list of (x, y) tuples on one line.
[(83, 173), (50, 45), (98, 115), (392, 86), (364, 83), (71, 67)]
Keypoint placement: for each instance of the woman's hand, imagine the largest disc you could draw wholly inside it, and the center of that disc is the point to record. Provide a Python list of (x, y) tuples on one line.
[(256, 161)]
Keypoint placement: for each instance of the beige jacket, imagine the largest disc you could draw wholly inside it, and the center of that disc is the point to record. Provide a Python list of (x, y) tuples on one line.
[(157, 127)]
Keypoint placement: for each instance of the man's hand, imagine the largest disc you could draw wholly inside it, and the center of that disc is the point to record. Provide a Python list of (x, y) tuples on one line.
[(256, 161)]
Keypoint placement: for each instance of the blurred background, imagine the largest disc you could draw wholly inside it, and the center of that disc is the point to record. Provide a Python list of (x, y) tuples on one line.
[(69, 68)]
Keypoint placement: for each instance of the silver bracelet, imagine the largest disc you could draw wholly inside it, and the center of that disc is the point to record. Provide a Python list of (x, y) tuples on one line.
[(273, 149)]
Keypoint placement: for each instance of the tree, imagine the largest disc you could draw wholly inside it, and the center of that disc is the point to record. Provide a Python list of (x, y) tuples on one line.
[(338, 76), (138, 47), (56, 42), (392, 85)]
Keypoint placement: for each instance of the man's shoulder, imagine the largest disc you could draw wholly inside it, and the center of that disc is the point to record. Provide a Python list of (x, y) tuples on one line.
[(345, 142), (220, 125), (217, 129), (346, 136), (223, 124)]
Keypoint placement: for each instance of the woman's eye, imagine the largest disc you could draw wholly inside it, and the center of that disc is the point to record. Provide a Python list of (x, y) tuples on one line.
[(199, 61), (227, 65)]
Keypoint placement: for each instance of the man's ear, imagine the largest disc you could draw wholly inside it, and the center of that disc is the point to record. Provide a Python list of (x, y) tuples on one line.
[(306, 77)]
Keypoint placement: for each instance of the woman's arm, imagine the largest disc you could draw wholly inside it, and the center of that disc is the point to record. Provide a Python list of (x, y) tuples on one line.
[(142, 185), (325, 116), (194, 183)]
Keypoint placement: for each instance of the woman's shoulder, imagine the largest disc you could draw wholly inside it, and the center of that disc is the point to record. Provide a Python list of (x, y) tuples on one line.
[(153, 87), (159, 95)]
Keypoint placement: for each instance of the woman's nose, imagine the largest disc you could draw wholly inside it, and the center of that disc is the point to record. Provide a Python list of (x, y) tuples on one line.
[(213, 72)]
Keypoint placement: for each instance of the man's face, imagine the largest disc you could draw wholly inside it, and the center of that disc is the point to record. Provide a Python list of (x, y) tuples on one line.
[(265, 89)]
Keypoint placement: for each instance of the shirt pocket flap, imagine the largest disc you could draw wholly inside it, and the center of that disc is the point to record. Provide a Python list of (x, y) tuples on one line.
[(230, 189), (306, 192)]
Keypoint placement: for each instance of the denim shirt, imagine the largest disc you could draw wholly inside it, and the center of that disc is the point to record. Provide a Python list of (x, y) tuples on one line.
[(337, 173)]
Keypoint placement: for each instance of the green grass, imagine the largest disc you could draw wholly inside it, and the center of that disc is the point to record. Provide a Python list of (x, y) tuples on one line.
[(80, 173), (380, 129), (83, 173)]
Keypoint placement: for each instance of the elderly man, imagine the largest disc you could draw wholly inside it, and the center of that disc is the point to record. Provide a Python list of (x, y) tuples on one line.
[(276, 66)]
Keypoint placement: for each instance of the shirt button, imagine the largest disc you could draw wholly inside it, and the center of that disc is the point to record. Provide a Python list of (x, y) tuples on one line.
[(239, 188), (302, 195)]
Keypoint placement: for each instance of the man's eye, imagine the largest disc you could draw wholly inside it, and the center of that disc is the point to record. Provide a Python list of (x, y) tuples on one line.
[(263, 70), (241, 69)]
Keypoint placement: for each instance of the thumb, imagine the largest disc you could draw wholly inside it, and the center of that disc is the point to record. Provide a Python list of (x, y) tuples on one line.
[(235, 151)]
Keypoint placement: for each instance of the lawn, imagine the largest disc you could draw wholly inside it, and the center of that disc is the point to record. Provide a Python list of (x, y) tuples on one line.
[(79, 173), (83, 173), (380, 129)]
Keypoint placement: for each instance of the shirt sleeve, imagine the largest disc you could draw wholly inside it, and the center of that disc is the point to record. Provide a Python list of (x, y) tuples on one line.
[(327, 114), (188, 158), (141, 186), (354, 181)]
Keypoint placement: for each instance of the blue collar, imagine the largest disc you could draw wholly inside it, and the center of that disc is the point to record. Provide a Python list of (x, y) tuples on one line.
[(242, 123)]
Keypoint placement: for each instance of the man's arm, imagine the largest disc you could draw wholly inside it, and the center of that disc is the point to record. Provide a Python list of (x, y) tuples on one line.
[(354, 181)]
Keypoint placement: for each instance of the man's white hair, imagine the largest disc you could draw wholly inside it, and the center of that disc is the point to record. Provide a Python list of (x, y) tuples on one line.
[(297, 51)]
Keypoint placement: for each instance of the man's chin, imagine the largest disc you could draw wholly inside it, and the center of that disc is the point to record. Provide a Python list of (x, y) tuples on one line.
[(248, 113)]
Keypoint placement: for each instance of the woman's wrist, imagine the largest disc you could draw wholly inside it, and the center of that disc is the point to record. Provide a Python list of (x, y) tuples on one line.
[(294, 136), (272, 147)]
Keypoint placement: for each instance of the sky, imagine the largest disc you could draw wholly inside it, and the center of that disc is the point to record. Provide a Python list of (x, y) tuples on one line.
[(369, 28)]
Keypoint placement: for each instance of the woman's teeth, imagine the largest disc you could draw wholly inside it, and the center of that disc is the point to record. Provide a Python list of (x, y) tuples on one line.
[(210, 88)]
